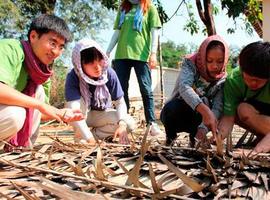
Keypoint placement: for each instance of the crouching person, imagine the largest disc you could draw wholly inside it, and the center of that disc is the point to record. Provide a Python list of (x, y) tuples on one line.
[(93, 87), (247, 95), (197, 100), (25, 69)]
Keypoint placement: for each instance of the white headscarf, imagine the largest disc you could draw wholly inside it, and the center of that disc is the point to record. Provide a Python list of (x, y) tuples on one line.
[(101, 95)]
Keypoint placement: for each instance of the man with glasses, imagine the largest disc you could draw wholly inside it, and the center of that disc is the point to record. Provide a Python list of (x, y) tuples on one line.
[(25, 70)]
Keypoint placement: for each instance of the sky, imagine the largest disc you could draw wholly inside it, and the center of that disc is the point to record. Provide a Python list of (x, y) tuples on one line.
[(173, 30)]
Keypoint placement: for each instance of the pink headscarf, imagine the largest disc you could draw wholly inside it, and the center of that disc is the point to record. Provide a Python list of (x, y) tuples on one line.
[(199, 58)]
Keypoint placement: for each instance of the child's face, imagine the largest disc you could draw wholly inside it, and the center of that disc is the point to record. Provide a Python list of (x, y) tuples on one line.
[(94, 69), (254, 83), (214, 61), (47, 47)]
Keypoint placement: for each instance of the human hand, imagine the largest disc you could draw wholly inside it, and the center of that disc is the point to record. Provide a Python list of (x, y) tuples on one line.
[(153, 60), (201, 134), (210, 121), (49, 112), (66, 114), (121, 132), (71, 115)]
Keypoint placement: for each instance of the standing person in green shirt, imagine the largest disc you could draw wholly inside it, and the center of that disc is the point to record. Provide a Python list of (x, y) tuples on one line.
[(247, 95), (136, 32), (25, 69)]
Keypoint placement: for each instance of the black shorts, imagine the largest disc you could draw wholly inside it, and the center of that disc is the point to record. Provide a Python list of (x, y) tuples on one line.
[(263, 108)]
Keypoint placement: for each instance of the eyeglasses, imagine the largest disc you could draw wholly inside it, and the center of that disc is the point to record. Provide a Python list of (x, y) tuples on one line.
[(53, 44)]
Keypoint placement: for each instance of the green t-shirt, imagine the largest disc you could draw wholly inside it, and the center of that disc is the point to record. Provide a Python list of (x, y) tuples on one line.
[(133, 44), (236, 91), (12, 70)]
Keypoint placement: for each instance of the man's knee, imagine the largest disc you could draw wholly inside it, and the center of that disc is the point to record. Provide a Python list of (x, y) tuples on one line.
[(11, 121), (245, 112)]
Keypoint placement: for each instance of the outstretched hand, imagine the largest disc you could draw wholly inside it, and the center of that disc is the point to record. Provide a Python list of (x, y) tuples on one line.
[(66, 114), (69, 115)]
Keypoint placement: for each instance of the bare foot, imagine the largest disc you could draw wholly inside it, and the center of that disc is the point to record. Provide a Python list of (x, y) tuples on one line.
[(263, 146)]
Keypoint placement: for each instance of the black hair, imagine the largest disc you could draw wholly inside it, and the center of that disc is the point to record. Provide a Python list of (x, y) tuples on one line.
[(46, 23), (254, 59), (215, 44), (90, 55)]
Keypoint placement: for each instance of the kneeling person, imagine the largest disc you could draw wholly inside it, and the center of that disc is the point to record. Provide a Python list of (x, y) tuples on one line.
[(93, 87)]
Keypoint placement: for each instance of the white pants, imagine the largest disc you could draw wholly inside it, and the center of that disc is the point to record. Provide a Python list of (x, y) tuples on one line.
[(105, 123), (12, 118)]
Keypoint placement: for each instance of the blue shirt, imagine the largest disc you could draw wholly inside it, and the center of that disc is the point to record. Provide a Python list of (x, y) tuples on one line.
[(72, 88)]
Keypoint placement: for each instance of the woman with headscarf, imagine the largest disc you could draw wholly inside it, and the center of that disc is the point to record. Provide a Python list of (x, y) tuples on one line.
[(197, 99), (136, 35), (93, 87)]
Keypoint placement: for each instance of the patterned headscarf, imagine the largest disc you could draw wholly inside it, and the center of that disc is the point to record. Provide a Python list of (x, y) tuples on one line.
[(199, 58), (101, 95)]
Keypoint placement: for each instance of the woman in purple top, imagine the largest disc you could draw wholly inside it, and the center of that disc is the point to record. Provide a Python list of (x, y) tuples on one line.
[(94, 87)]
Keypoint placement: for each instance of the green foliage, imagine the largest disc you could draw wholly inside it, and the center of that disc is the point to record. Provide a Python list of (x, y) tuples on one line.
[(191, 25), (233, 59), (162, 15), (16, 15), (252, 9), (84, 17), (110, 4), (57, 95), (234, 8), (172, 54), (9, 18)]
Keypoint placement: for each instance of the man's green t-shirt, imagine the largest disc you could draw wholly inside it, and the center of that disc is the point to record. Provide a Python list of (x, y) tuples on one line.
[(236, 91), (133, 44), (12, 70)]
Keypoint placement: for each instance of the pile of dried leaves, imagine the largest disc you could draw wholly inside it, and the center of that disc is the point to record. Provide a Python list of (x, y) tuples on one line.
[(143, 170)]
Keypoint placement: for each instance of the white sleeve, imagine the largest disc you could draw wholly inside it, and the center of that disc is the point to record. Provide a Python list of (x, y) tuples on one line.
[(81, 125), (113, 41), (154, 44), (121, 109)]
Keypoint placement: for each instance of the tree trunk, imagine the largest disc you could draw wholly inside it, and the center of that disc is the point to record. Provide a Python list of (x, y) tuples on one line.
[(206, 16), (257, 24)]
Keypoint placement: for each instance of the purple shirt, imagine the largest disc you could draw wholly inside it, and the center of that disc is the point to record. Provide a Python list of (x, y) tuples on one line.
[(72, 89)]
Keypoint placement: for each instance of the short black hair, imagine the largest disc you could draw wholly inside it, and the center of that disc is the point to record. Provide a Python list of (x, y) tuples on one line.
[(90, 55), (46, 23), (254, 59)]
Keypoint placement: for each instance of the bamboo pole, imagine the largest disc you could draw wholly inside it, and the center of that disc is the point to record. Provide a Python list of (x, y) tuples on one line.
[(161, 72)]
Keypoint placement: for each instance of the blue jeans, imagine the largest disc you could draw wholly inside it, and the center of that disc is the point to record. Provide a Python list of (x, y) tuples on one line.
[(122, 68)]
